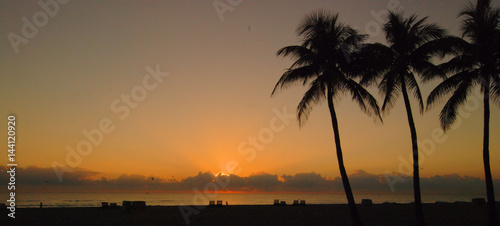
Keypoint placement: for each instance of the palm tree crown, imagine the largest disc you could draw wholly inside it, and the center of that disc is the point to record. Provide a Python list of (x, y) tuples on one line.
[(410, 49), (322, 62), (474, 63)]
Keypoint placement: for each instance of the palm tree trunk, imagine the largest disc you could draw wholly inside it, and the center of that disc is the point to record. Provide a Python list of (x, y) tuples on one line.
[(492, 212), (343, 174), (419, 213)]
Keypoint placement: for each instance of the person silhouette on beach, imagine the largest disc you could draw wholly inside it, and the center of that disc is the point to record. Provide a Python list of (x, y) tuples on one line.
[(41, 205)]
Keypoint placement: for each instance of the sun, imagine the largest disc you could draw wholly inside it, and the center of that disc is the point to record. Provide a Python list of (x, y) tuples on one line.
[(221, 174)]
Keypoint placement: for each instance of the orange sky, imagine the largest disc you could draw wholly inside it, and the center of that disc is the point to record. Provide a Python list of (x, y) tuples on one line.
[(216, 97)]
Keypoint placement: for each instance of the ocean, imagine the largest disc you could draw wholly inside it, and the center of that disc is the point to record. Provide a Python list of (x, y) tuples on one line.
[(30, 200)]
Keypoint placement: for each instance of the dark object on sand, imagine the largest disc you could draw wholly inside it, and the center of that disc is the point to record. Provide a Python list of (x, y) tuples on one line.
[(299, 202), (211, 203), (278, 203), (478, 202), (113, 205), (127, 206), (366, 202), (41, 205)]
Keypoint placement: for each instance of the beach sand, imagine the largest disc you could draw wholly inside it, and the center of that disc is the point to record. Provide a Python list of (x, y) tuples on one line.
[(336, 214)]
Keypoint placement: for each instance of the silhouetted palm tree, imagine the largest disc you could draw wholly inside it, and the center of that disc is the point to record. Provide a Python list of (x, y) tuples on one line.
[(322, 62), (475, 63), (409, 51)]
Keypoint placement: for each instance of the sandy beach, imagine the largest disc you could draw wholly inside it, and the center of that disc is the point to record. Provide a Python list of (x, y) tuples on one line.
[(336, 214)]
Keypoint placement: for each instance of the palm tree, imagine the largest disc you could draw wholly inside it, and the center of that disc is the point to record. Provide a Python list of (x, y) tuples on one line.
[(322, 62), (475, 63), (409, 51)]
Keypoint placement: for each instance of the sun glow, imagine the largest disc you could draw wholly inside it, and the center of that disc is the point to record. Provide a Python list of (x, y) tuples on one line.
[(221, 174)]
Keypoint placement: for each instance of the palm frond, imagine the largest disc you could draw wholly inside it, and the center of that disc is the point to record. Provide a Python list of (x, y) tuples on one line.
[(365, 100), (391, 88), (413, 85), (428, 70), (450, 110), (313, 96), (301, 54), (459, 63), (291, 76), (315, 23), (429, 32), (372, 61), (420, 62), (349, 46), (495, 90), (396, 30), (447, 86)]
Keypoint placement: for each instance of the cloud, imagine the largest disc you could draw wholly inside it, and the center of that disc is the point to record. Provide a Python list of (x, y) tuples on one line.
[(307, 182), (44, 179), (363, 181), (254, 182), (455, 183), (263, 182), (198, 181), (33, 175)]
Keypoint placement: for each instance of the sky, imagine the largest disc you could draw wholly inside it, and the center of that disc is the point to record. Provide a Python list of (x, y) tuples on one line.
[(172, 88)]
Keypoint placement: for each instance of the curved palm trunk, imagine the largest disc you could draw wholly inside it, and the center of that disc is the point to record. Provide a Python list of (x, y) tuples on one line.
[(419, 214), (492, 212), (343, 174)]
